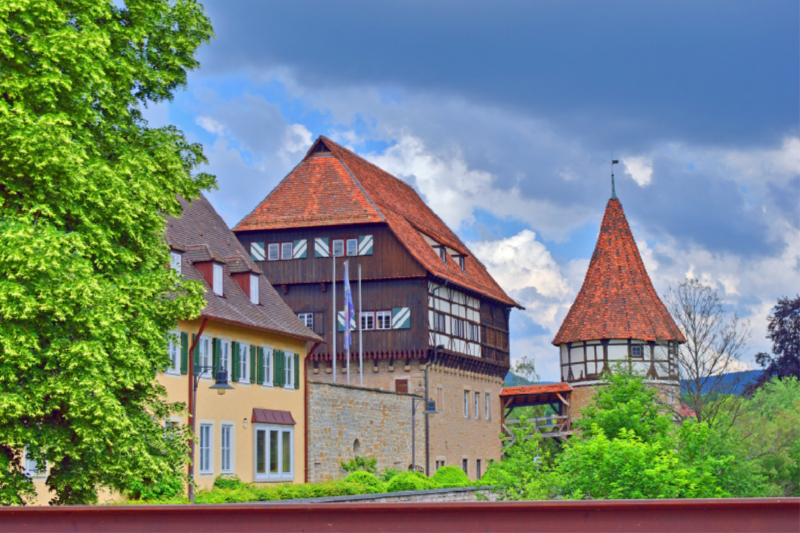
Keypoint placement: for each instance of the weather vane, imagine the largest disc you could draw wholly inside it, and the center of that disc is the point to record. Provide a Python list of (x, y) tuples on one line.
[(613, 186)]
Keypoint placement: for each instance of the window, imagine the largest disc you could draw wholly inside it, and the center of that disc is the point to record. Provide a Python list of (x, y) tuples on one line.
[(477, 468), (268, 366), (30, 466), (225, 356), (486, 406), (465, 466), (175, 262), (352, 246), (273, 251), (368, 320), (217, 279), (443, 253), (274, 450), (477, 402), (458, 327), (174, 351), (244, 363), (384, 319), (466, 404), (205, 448), (440, 398), (307, 319), (338, 248), (401, 385), (439, 322), (225, 458), (463, 264), (204, 351), (473, 332), (289, 384), (636, 350), (286, 250), (254, 289)]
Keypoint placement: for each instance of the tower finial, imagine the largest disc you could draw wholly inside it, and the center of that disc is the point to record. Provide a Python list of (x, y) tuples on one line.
[(613, 186)]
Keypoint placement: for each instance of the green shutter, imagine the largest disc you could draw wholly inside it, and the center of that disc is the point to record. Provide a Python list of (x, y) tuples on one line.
[(297, 371), (184, 352), (235, 361), (277, 359), (253, 364), (260, 365), (401, 318), (214, 356), (196, 355)]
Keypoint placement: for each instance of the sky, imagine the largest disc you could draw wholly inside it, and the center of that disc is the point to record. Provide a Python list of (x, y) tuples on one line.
[(504, 115)]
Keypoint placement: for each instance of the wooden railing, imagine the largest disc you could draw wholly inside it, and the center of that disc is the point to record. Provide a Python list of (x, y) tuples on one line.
[(555, 426)]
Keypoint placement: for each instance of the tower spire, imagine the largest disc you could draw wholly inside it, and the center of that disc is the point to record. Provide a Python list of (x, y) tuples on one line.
[(613, 186)]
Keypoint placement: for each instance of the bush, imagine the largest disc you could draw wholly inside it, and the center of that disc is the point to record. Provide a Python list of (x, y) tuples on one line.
[(411, 481), (368, 464), (370, 482), (449, 477), (388, 473), (168, 488), (228, 482)]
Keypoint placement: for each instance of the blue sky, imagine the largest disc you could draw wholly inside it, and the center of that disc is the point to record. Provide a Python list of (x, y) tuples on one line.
[(501, 114)]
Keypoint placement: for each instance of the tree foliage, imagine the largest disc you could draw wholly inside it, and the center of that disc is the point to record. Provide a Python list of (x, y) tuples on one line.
[(85, 184), (784, 331)]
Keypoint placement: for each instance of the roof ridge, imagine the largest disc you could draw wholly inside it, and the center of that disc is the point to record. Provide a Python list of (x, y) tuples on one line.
[(274, 189), (361, 187)]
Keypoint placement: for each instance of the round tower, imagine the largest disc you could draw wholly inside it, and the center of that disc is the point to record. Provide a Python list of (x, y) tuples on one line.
[(617, 316)]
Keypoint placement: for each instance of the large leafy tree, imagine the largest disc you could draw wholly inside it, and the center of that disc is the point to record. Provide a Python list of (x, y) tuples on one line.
[(784, 332), (85, 184)]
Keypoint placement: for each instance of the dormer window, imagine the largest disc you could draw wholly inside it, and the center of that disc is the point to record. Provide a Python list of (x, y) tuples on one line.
[(175, 261), (254, 289), (217, 285), (443, 253), (462, 262)]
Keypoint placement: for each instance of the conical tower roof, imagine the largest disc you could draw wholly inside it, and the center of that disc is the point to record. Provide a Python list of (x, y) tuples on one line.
[(617, 300)]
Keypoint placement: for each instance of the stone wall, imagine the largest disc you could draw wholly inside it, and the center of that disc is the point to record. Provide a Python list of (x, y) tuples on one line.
[(668, 393), (454, 437), (466, 494), (347, 421)]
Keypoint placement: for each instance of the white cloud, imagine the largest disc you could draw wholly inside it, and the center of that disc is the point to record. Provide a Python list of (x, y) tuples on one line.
[(640, 169), (296, 139), (211, 125)]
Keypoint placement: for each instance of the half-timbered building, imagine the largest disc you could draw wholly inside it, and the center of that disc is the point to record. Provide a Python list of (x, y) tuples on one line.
[(421, 287)]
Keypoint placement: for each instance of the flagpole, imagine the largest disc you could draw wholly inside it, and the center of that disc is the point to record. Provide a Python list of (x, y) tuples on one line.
[(333, 331), (347, 320), (360, 339)]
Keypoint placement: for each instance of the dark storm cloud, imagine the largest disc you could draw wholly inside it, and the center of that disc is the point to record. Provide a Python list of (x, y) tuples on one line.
[(613, 73)]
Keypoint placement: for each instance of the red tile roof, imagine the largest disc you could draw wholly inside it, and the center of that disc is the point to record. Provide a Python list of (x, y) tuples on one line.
[(344, 188), (550, 388), (617, 300)]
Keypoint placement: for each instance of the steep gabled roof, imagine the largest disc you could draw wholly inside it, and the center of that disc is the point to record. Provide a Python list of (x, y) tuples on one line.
[(334, 186), (617, 300), (206, 237)]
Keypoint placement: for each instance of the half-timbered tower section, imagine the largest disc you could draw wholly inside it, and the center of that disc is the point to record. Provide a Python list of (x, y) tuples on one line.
[(617, 316), (420, 288)]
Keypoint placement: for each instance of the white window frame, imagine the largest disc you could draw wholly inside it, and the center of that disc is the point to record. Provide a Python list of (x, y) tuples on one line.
[(387, 315), (284, 247), (226, 361), (228, 447), (204, 353), (269, 365), (288, 368), (477, 405), (244, 363), (218, 279), (466, 403), (273, 251), (254, 289), (206, 447), (351, 245), (307, 319), (365, 324), (639, 348), (175, 261), (340, 243), (31, 468), (174, 351), (487, 403), (267, 475)]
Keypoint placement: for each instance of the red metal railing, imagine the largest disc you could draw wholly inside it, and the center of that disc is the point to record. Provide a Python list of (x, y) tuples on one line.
[(775, 515)]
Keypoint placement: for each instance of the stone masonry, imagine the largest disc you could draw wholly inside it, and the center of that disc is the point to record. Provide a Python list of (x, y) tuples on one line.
[(454, 436), (344, 422)]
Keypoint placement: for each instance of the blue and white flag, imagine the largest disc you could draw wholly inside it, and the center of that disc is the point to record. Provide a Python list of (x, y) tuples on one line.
[(349, 310)]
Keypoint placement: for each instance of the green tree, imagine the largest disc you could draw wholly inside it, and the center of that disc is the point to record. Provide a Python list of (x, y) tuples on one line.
[(85, 184)]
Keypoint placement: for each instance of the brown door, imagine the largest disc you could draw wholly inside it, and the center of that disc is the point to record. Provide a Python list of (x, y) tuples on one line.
[(401, 385)]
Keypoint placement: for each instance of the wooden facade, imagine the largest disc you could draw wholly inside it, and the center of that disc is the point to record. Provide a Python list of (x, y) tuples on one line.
[(391, 278)]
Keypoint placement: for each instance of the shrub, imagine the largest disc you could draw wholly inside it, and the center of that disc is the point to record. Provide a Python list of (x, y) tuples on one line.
[(388, 473), (368, 464), (228, 482), (167, 488), (370, 482), (448, 477), (410, 481)]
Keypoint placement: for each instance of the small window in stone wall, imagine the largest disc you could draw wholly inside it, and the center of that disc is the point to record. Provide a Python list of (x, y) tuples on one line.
[(356, 447), (401, 385)]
